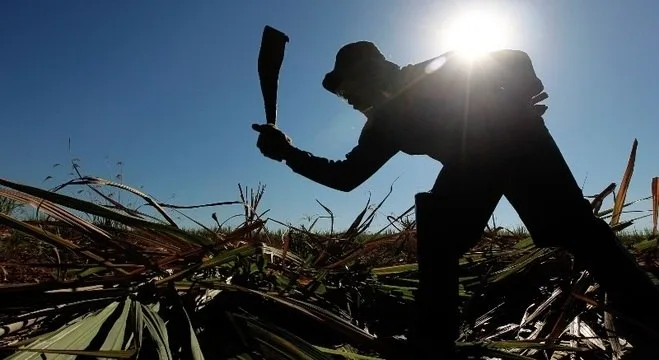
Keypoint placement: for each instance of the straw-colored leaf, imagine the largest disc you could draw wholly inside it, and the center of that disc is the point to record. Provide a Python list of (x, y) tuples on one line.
[(103, 212), (655, 204), (53, 239), (624, 185)]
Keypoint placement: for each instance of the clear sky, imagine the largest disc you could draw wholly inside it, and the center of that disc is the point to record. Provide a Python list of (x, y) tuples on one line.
[(170, 89)]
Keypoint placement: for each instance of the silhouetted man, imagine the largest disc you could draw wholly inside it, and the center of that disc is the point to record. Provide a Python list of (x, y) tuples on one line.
[(480, 119)]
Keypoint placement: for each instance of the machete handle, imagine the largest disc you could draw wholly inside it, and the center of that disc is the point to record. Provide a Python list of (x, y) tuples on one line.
[(261, 127)]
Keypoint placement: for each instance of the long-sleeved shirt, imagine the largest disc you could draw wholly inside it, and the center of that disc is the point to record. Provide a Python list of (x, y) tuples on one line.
[(436, 113)]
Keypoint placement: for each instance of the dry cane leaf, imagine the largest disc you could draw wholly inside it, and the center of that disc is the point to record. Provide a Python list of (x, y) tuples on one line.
[(624, 185), (655, 204)]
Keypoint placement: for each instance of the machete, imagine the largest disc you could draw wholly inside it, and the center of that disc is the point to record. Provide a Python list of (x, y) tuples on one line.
[(271, 57)]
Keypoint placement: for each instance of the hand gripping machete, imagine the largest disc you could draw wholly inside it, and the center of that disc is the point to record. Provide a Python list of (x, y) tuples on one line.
[(271, 57)]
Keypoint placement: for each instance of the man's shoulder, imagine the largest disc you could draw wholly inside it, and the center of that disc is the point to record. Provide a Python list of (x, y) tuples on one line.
[(414, 73), (509, 54), (451, 68), (452, 59)]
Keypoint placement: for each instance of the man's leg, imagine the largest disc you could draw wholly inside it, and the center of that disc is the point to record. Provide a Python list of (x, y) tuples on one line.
[(450, 220), (551, 205)]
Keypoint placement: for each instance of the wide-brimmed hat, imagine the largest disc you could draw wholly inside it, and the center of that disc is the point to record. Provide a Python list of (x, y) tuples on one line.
[(349, 57)]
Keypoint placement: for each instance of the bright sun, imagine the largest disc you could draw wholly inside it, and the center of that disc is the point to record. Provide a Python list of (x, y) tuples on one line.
[(476, 32)]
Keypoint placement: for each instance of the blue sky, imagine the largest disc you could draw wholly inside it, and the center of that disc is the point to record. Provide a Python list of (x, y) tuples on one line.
[(170, 89)]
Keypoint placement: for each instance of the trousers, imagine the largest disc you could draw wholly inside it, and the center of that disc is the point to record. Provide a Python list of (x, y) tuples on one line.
[(520, 160)]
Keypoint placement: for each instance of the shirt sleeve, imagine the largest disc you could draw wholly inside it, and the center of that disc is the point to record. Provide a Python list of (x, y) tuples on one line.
[(374, 148)]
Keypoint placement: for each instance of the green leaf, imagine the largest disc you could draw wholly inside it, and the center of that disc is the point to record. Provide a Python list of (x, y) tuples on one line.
[(396, 269), (77, 335), (280, 340), (157, 330), (346, 354)]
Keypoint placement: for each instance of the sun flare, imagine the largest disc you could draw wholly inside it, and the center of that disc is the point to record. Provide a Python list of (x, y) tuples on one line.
[(475, 32)]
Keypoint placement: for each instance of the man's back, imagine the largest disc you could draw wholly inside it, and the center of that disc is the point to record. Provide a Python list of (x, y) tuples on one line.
[(435, 112)]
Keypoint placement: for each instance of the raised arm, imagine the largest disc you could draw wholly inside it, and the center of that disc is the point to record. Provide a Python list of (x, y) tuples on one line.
[(365, 159), (373, 150)]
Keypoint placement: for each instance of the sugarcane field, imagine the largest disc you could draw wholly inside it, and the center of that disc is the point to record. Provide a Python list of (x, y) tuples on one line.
[(346, 180), (96, 278)]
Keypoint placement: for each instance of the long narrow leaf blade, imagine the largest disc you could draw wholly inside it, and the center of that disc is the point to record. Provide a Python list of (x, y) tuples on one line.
[(624, 185)]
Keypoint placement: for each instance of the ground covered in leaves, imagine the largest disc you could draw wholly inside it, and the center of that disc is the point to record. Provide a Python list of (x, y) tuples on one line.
[(98, 279)]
